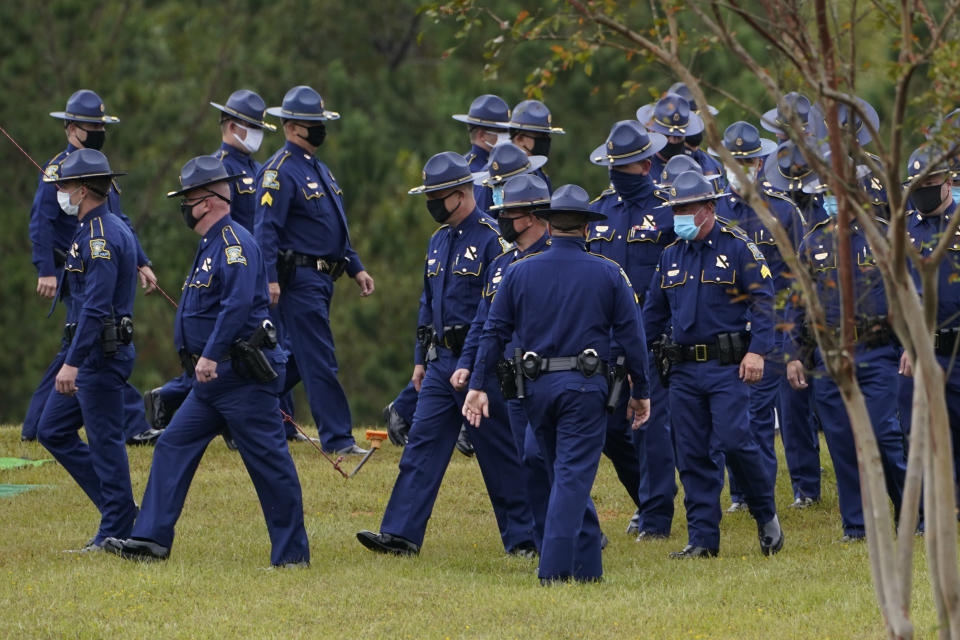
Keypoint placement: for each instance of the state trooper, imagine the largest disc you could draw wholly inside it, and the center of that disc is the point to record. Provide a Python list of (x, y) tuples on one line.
[(241, 130), (876, 360), (301, 228), (932, 208), (522, 195), (531, 128), (51, 232), (458, 256), (506, 160), (671, 116), (778, 120), (565, 306), (787, 171), (744, 143), (709, 284), (692, 142), (228, 348), (101, 271), (633, 234), (487, 122)]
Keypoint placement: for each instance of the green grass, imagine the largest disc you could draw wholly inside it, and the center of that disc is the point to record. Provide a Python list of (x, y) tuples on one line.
[(216, 583)]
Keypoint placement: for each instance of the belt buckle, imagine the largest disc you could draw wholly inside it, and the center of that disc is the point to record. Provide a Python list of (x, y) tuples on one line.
[(936, 339), (700, 352)]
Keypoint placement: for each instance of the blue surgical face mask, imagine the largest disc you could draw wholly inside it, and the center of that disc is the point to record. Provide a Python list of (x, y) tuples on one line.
[(955, 193), (830, 204), (498, 195), (685, 227)]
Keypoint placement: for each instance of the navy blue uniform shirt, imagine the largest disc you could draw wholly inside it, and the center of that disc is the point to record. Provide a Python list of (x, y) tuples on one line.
[(925, 232), (225, 294), (455, 271), (712, 286), (300, 207), (243, 191), (561, 302), (51, 228), (101, 268)]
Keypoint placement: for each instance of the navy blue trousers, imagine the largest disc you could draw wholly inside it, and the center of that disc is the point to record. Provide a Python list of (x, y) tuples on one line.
[(764, 396), (433, 434), (569, 420), (305, 311), (653, 443), (534, 467), (801, 444), (134, 419), (709, 407), (877, 376), (250, 409), (405, 403), (100, 467)]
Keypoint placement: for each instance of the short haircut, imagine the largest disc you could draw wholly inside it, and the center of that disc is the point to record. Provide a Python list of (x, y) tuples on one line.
[(567, 221), (100, 186)]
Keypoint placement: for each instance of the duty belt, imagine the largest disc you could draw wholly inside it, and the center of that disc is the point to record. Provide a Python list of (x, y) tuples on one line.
[(587, 362), (118, 332), (944, 341), (334, 268)]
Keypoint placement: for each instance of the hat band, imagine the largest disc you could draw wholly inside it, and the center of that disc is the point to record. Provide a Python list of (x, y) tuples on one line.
[(503, 176), (617, 156), (673, 127), (744, 153), (524, 203), (234, 112), (449, 183), (502, 123), (797, 177), (287, 112), (71, 116), (534, 127)]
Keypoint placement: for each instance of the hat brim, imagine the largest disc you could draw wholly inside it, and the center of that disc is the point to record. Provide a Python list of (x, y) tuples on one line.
[(536, 128), (280, 112), (819, 126), (484, 179), (780, 182), (767, 147), (242, 116), (180, 192), (693, 199), (507, 206), (427, 188), (667, 185), (769, 121), (588, 216), (73, 117), (818, 186), (59, 178), (693, 127), (487, 124), (601, 158), (712, 109)]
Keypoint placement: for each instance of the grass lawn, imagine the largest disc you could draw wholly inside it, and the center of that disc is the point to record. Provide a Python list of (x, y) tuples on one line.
[(217, 584)]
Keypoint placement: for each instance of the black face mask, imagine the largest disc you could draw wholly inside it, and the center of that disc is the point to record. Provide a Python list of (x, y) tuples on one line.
[(541, 147), (94, 139), (187, 211), (927, 199), (316, 134), (694, 140), (508, 229), (438, 209), (802, 199), (672, 149)]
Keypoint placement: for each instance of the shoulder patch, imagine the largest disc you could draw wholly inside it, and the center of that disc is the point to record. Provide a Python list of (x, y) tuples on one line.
[(98, 249), (235, 255), (270, 179), (51, 171)]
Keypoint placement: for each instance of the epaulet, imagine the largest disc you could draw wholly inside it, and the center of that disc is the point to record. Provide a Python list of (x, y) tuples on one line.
[(96, 227), (779, 195), (529, 255), (233, 250), (470, 157), (116, 185), (675, 241), (734, 230), (603, 194), (614, 262), (439, 229), (510, 248), (662, 194), (817, 226), (490, 223), (278, 159), (220, 154), (229, 235), (52, 168)]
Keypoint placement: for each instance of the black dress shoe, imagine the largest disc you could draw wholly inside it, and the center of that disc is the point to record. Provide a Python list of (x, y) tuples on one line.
[(604, 541), (524, 550), (633, 528), (296, 436), (771, 537), (144, 438), (691, 551), (133, 549), (386, 543), (645, 536), (352, 450), (464, 445), (158, 413), (397, 427)]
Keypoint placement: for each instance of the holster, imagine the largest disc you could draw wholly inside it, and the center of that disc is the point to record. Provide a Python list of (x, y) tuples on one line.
[(617, 378), (510, 376), (115, 333), (248, 357), (454, 338), (285, 268), (188, 361), (733, 347), (662, 359), (427, 342), (59, 260)]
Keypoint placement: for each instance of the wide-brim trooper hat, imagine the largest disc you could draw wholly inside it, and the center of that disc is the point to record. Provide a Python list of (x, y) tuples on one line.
[(921, 158), (690, 187), (628, 142), (84, 163), (743, 141), (487, 111), (684, 92), (788, 170), (570, 198), (444, 171), (817, 123), (247, 106), (507, 160), (533, 115), (85, 106), (302, 103), (200, 172), (678, 164), (525, 190), (670, 116), (776, 120)]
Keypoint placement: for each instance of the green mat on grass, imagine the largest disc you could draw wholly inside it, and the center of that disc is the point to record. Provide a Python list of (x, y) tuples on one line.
[(16, 463)]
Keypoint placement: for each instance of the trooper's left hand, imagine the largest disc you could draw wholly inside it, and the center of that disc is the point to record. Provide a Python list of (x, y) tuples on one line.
[(459, 379), (148, 280), (476, 407), (365, 282), (66, 381), (205, 369), (751, 368), (638, 411)]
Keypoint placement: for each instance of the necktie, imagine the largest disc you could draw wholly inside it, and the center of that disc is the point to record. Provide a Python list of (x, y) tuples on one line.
[(691, 288)]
